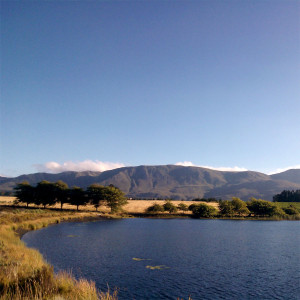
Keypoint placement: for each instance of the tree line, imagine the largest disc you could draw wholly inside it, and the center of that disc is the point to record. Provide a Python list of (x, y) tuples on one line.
[(228, 208), (50, 193), (287, 196)]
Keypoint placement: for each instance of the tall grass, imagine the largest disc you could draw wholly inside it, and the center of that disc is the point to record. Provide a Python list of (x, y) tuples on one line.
[(24, 274)]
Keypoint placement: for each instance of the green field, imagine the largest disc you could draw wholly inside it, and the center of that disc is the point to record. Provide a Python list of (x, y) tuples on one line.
[(287, 204)]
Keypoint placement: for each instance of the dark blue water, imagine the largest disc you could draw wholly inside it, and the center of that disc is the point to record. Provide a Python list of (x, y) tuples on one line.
[(206, 259)]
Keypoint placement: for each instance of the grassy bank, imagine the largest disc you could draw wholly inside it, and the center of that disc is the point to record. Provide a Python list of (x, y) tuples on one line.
[(24, 274)]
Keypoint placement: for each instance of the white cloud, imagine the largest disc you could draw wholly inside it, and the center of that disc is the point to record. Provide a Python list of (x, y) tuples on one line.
[(185, 164), (284, 169), (86, 165), (229, 169)]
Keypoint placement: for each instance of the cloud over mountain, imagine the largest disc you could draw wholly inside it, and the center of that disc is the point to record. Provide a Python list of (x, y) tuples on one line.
[(166, 181), (280, 170), (86, 165), (229, 169)]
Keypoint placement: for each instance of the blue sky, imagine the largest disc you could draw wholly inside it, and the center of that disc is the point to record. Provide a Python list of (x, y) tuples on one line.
[(101, 84)]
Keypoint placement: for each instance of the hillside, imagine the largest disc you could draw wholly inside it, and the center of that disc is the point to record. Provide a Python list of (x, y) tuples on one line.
[(176, 182), (292, 175)]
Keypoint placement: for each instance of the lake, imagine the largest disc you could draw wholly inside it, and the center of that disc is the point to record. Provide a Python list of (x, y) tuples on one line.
[(170, 258)]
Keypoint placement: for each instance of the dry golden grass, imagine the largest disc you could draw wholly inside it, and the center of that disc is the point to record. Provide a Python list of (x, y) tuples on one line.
[(133, 206), (139, 206), (5, 200), (23, 273)]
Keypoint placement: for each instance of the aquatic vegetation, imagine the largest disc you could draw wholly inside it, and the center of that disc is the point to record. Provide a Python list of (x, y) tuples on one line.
[(161, 267), (140, 259)]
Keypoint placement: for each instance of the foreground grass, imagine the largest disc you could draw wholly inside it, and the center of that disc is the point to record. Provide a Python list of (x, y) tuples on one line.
[(24, 274)]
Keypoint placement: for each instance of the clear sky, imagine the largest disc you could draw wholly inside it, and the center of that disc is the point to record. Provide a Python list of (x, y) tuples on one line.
[(102, 84)]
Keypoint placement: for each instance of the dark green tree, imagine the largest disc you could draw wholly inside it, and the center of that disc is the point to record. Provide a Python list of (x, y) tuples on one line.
[(61, 192), (77, 196), (239, 207), (155, 208), (170, 207), (226, 208), (287, 196), (191, 207), (24, 193), (182, 206), (114, 198), (96, 194), (264, 208), (45, 193), (204, 211)]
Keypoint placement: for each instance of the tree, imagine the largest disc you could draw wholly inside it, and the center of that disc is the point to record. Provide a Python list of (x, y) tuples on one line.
[(95, 194), (287, 196), (77, 197), (239, 206), (24, 193), (261, 207), (182, 207), (204, 211), (226, 208), (170, 207), (155, 208), (191, 207), (114, 198), (45, 193), (61, 192)]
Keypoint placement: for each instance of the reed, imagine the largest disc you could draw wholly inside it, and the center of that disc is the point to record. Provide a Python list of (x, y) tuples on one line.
[(24, 274)]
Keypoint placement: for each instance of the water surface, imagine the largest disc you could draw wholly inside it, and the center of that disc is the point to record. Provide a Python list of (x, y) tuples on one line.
[(207, 259)]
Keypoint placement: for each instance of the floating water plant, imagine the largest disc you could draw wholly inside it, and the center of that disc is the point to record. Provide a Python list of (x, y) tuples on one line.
[(140, 259), (161, 267)]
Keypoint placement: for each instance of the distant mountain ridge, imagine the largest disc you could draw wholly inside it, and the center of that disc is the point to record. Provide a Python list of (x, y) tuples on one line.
[(172, 181)]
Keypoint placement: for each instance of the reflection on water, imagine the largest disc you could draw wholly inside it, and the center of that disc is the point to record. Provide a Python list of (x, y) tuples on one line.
[(166, 259)]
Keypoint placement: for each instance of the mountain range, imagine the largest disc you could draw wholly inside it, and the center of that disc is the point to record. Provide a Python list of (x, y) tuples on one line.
[(172, 181)]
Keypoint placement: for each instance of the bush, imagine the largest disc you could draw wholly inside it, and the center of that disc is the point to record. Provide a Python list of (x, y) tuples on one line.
[(239, 206), (264, 208), (182, 207), (170, 207), (291, 210), (155, 208), (226, 208), (204, 211), (191, 207), (236, 207)]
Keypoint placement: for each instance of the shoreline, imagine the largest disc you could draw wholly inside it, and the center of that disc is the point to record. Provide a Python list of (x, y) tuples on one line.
[(24, 273), (28, 263)]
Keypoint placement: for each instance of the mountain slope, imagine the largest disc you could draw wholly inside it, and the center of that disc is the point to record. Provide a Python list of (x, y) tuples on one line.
[(292, 175), (170, 181)]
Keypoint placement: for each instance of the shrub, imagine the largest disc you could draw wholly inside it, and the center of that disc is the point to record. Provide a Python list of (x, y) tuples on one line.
[(239, 206), (191, 207), (182, 207), (291, 210), (226, 208), (264, 208), (204, 211), (155, 208), (170, 207)]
